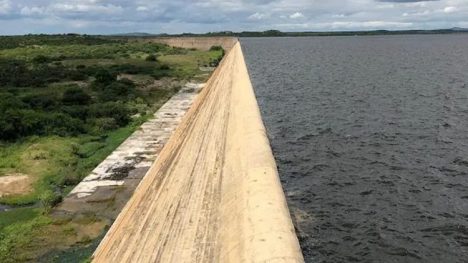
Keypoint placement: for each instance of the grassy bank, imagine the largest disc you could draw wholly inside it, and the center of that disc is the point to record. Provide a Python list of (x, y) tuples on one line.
[(66, 102), (57, 161), (54, 164), (25, 232)]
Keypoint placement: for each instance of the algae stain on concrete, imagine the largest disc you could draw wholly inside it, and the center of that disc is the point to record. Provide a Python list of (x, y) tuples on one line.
[(106, 190)]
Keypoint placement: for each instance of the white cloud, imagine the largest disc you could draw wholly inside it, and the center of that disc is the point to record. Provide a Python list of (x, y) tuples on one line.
[(85, 8), (450, 9), (5, 6), (142, 8), (177, 16), (296, 15), (32, 11), (257, 16)]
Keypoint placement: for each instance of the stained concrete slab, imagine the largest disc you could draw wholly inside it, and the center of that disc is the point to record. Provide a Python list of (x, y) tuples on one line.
[(108, 187)]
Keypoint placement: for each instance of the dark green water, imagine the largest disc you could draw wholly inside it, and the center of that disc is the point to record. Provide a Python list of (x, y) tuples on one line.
[(371, 138)]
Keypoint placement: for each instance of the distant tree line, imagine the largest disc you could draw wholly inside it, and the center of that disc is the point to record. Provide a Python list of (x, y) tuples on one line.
[(8, 42), (277, 33)]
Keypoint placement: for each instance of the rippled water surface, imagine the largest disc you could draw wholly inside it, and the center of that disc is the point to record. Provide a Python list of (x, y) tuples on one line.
[(371, 139)]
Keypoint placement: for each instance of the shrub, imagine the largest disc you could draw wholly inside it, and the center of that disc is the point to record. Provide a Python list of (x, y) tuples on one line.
[(176, 51), (138, 106), (12, 72), (49, 199), (16, 123), (76, 75), (18, 73), (101, 125), (76, 111), (41, 59), (164, 67), (40, 123), (119, 90), (215, 62), (115, 110), (151, 58), (71, 179), (9, 101), (104, 77), (63, 125), (216, 48), (158, 74), (132, 69), (10, 123), (75, 96), (42, 101)]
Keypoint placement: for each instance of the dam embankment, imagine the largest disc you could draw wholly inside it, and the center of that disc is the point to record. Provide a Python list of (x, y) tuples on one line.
[(213, 194), (202, 43)]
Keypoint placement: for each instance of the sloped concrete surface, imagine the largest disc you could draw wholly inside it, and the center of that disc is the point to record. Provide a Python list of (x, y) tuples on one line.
[(213, 194)]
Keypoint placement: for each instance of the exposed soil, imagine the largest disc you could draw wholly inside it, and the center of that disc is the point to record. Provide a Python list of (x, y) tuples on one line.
[(15, 184)]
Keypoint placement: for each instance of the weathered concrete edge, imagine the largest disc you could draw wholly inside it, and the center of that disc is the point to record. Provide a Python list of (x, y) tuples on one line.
[(255, 224), (265, 232)]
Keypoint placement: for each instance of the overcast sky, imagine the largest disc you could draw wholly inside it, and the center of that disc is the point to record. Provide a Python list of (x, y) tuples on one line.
[(177, 16)]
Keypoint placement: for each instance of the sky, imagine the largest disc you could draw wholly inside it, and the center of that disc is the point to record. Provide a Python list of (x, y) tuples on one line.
[(200, 16)]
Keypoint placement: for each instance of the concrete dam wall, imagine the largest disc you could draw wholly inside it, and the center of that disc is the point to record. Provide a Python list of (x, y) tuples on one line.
[(213, 194), (202, 43)]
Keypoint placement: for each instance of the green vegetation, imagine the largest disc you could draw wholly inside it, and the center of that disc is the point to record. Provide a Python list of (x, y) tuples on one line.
[(17, 216), (151, 58), (54, 40), (89, 96), (215, 62), (66, 102), (19, 234)]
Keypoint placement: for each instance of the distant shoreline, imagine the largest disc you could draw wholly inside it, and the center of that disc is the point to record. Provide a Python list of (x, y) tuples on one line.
[(277, 33)]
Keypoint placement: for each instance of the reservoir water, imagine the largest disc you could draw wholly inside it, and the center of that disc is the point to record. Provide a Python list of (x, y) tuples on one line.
[(370, 135)]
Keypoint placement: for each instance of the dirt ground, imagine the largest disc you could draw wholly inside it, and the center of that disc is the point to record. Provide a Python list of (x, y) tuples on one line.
[(15, 184)]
